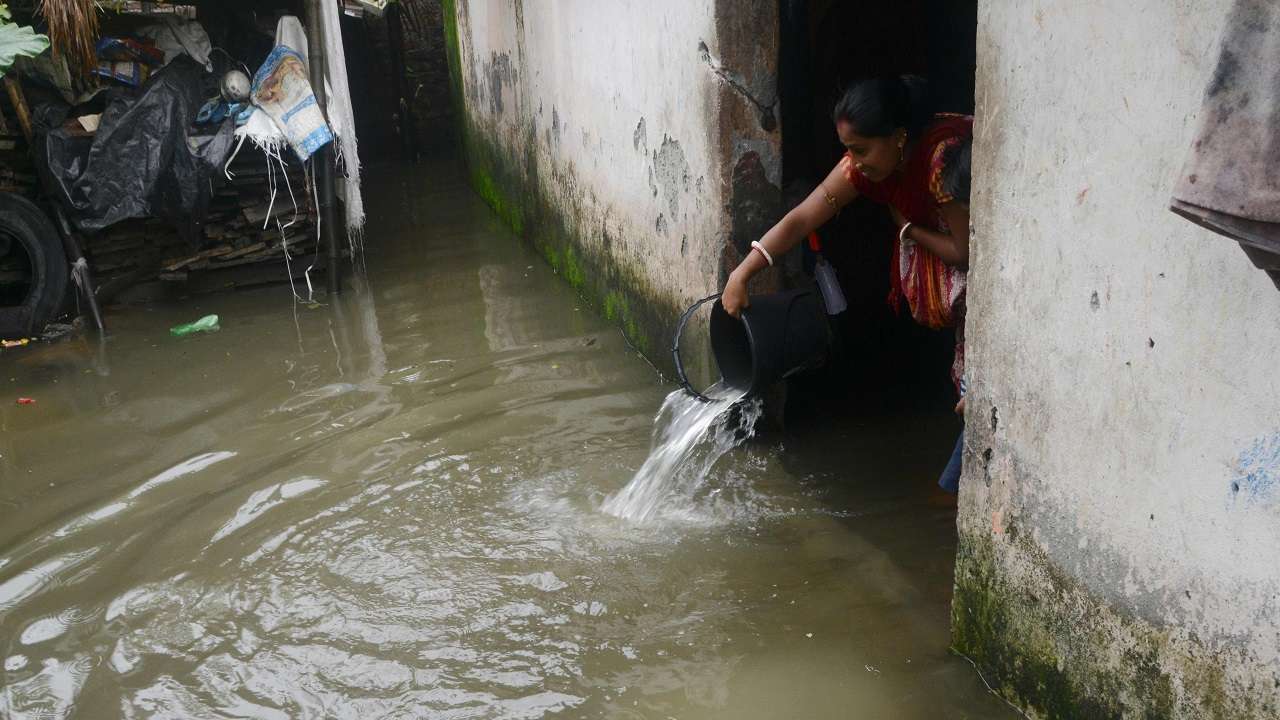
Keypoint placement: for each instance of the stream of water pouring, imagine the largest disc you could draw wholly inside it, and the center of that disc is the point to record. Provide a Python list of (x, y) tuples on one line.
[(689, 436)]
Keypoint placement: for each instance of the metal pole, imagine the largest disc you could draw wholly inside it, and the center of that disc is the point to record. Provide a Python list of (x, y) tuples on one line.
[(322, 164), (79, 265)]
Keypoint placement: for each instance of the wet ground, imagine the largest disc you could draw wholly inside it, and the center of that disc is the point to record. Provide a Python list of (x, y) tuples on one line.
[(388, 506)]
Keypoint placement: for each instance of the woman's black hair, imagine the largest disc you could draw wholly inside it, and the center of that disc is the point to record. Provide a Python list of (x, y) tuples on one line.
[(877, 107), (957, 172)]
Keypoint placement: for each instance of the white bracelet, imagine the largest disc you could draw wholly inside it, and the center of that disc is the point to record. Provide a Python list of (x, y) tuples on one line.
[(902, 234), (757, 245)]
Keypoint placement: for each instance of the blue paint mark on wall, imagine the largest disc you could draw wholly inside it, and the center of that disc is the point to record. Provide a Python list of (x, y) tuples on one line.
[(1258, 471)]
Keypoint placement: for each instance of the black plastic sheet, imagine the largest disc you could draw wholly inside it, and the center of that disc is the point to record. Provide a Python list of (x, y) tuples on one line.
[(144, 160)]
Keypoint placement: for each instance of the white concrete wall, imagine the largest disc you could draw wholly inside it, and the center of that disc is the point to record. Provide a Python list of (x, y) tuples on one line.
[(610, 110), (1129, 499)]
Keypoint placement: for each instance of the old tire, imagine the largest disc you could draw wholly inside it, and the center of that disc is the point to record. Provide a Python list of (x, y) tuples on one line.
[(33, 261)]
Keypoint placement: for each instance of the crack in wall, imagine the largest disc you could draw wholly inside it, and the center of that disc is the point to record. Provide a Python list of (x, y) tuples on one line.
[(768, 120)]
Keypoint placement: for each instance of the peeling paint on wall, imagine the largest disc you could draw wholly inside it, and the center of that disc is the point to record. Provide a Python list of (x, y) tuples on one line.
[(672, 173), (1257, 479), (498, 72), (755, 202), (639, 226)]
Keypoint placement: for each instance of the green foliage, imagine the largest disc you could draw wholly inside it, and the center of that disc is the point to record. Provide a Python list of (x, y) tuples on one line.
[(17, 40)]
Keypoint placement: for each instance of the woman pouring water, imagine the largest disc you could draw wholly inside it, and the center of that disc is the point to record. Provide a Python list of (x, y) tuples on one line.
[(897, 153)]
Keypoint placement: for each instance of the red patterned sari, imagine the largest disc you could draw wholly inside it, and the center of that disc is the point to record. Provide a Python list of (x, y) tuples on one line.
[(934, 291)]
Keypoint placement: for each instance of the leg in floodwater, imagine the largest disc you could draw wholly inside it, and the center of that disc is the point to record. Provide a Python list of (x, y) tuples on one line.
[(955, 178), (950, 478)]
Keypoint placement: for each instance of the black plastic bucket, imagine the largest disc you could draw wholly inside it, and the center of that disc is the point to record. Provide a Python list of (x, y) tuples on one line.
[(777, 336)]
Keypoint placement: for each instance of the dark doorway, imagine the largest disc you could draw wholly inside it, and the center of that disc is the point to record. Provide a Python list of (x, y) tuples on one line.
[(886, 361), (401, 60)]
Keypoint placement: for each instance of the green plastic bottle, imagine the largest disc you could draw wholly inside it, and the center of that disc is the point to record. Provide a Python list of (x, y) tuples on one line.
[(208, 323)]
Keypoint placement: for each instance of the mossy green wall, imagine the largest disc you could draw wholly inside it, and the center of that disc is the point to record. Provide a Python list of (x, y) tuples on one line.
[(1056, 651), (550, 214)]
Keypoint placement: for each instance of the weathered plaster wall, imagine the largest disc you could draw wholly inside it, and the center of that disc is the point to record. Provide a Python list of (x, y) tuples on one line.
[(624, 140), (1120, 507)]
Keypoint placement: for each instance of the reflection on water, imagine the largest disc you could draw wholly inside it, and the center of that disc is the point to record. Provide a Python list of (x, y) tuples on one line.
[(390, 506)]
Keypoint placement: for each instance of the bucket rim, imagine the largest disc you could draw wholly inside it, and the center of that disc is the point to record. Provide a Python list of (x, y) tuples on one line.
[(751, 343), (675, 348)]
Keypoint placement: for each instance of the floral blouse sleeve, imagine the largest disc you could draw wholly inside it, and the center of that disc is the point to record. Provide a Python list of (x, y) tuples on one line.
[(937, 171)]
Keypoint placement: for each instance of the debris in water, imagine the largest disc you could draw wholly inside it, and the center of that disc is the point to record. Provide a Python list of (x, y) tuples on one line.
[(14, 343), (208, 323), (55, 331)]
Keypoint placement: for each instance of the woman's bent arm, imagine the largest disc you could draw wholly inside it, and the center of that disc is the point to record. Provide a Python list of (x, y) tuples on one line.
[(822, 204), (951, 247)]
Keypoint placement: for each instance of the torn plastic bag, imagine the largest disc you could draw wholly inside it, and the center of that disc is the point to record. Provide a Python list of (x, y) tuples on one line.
[(144, 159), (175, 36)]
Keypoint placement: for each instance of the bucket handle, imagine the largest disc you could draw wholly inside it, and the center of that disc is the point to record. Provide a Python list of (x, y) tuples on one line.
[(675, 347)]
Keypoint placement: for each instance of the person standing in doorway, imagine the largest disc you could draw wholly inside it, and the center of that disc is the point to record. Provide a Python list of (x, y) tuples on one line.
[(897, 154), (957, 162)]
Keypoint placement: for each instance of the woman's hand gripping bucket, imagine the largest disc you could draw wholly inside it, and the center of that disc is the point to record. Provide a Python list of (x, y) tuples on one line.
[(777, 336)]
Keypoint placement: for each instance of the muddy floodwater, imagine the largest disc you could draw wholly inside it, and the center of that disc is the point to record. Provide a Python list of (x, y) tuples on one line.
[(388, 505)]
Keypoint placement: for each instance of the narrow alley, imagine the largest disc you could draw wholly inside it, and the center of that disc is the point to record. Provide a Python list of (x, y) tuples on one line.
[(388, 506), (639, 360)]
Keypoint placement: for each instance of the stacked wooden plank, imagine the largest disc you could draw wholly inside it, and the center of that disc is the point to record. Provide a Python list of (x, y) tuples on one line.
[(17, 174), (22, 181), (242, 241), (246, 224)]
